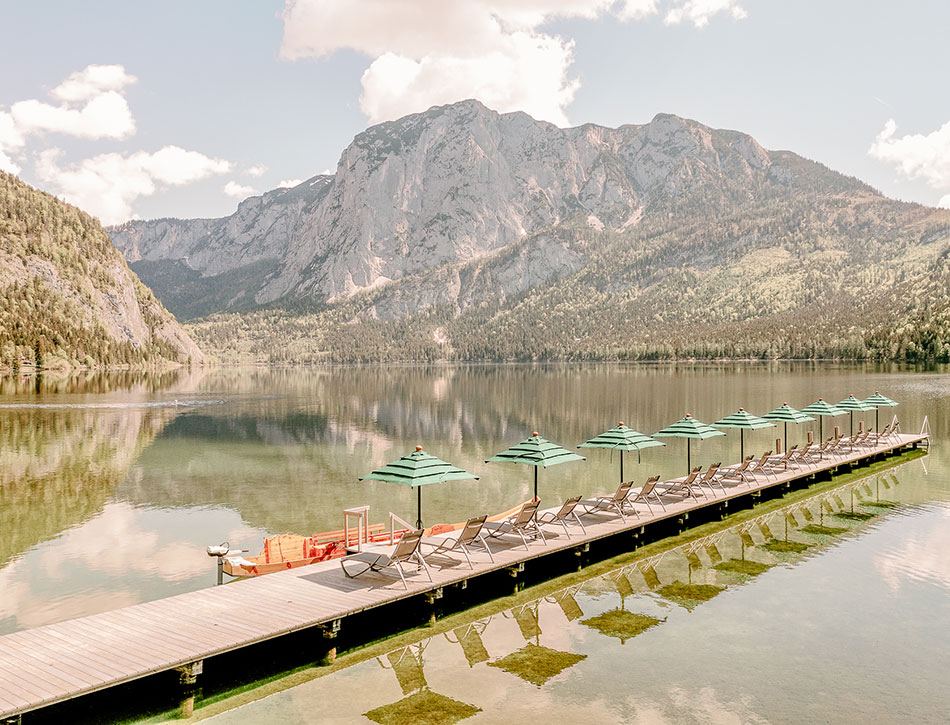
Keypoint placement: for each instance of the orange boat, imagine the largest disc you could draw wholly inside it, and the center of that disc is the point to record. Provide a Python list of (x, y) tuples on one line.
[(289, 551)]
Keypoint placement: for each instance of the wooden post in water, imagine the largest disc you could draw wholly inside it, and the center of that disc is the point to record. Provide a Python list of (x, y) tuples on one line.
[(328, 632)]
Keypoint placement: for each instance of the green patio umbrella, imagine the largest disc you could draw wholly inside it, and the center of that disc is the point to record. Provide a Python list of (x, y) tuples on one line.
[(418, 469), (537, 452), (743, 420), (787, 414), (688, 427), (622, 439), (821, 408), (879, 401), (852, 404)]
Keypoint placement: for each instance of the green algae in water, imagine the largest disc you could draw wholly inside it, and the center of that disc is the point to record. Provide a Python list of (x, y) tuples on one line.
[(823, 530), (689, 595), (855, 515), (743, 566), (621, 624), (880, 504), (423, 708), (537, 664), (785, 547)]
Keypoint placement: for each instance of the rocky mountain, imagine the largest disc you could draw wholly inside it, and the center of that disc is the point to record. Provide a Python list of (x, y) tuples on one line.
[(462, 233), (68, 297)]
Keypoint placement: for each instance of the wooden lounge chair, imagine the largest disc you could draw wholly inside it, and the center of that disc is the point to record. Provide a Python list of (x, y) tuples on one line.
[(382, 558), (781, 460), (524, 524), (562, 515), (647, 491), (609, 503), (710, 477), (470, 535), (740, 472), (761, 466), (685, 488)]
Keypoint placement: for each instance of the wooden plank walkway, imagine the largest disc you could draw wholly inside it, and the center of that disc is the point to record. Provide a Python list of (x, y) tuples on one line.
[(56, 662)]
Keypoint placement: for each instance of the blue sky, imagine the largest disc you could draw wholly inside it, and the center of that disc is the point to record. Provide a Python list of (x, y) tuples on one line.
[(189, 106)]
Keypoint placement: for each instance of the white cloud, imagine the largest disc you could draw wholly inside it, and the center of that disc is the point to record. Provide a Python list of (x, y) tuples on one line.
[(92, 81), (10, 139), (917, 156), (9, 165), (106, 116), (430, 52), (944, 202), (238, 191), (258, 170), (106, 185), (699, 12), (525, 72), (287, 183)]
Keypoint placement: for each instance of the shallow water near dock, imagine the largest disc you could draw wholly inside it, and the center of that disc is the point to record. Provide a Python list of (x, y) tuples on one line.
[(113, 485)]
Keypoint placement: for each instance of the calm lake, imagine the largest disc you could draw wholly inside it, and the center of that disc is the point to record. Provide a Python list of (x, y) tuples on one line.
[(111, 487)]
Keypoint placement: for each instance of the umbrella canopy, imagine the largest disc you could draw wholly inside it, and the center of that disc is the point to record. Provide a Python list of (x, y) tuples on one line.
[(418, 469), (688, 427), (879, 401), (821, 408), (622, 439), (787, 414), (743, 420), (537, 452), (852, 404)]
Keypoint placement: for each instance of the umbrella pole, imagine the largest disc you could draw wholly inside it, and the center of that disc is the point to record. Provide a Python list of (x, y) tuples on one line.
[(688, 467), (786, 437), (852, 424), (621, 466), (821, 436), (877, 420), (535, 483), (741, 445), (418, 507)]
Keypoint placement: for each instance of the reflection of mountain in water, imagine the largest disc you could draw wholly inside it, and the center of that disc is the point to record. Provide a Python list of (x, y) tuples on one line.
[(288, 448), (57, 468)]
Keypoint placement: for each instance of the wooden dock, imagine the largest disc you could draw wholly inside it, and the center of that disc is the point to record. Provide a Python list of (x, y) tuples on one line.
[(57, 662)]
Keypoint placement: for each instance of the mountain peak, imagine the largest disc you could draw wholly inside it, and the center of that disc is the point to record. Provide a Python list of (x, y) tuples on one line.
[(459, 183)]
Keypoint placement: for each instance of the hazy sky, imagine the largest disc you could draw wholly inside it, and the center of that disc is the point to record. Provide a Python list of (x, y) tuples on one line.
[(182, 108)]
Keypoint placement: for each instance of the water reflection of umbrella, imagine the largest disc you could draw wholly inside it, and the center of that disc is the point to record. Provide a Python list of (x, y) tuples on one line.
[(821, 408), (743, 420), (787, 414), (688, 427), (537, 452), (852, 404), (418, 469), (622, 439), (879, 401)]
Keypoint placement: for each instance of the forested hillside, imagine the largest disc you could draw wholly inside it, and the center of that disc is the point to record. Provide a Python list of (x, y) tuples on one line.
[(464, 234), (67, 297), (853, 276)]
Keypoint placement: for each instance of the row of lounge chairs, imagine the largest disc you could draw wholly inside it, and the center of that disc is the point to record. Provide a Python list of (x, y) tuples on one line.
[(528, 523)]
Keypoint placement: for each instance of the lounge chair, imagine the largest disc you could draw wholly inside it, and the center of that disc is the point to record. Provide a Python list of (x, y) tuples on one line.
[(711, 477), (562, 515), (685, 488), (740, 472), (609, 503), (524, 524), (406, 549), (761, 466), (782, 459), (647, 491), (469, 535)]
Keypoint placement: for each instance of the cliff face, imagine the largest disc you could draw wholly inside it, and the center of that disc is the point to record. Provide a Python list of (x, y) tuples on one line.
[(64, 289), (455, 185)]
